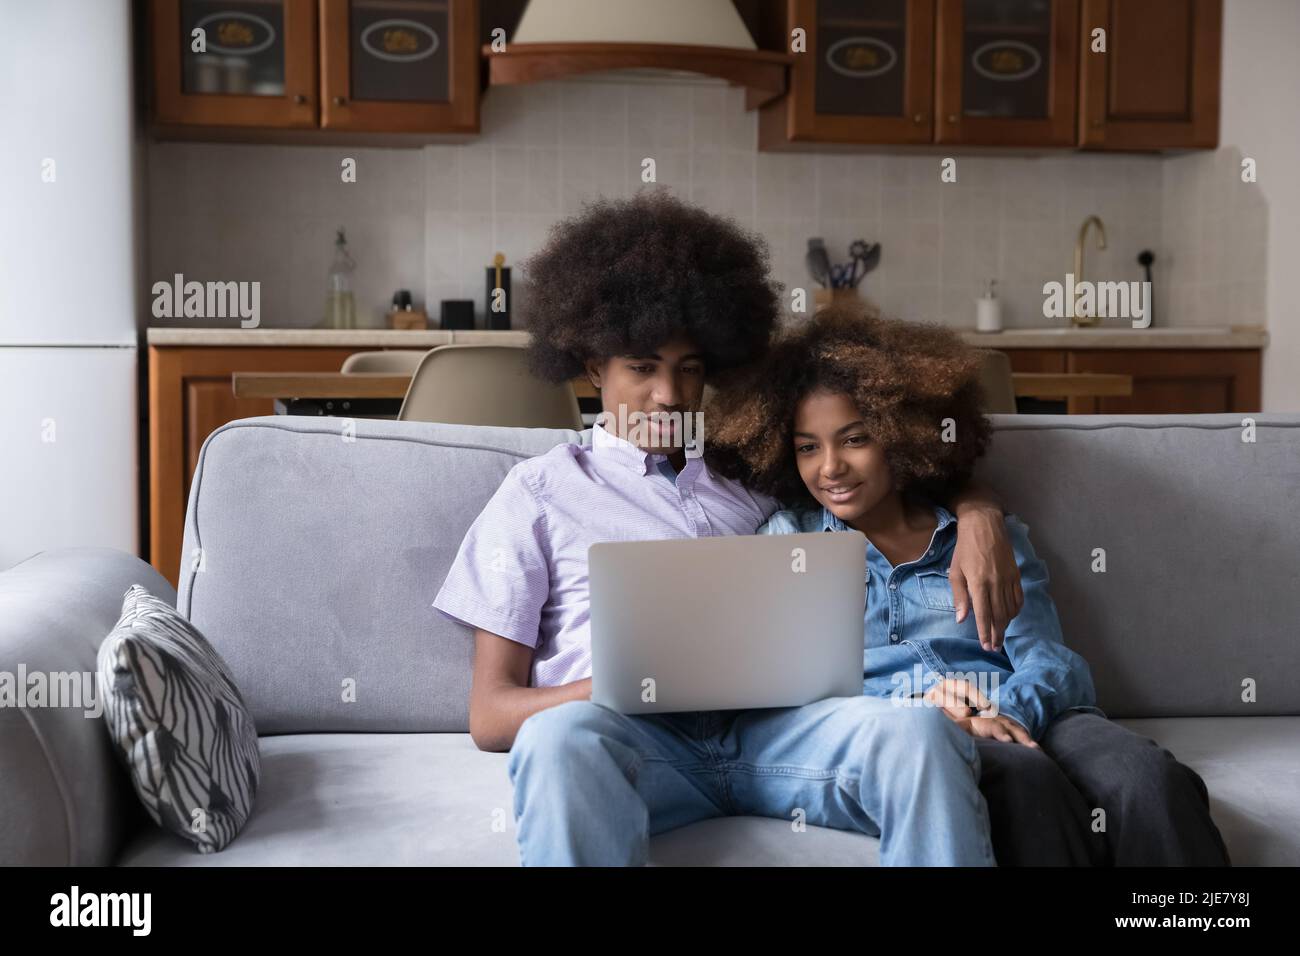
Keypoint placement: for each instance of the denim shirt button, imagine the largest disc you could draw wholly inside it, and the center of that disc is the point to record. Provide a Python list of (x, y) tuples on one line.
[(893, 638), (893, 585)]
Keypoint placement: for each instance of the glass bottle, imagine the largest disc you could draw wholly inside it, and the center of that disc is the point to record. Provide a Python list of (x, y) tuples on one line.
[(340, 310)]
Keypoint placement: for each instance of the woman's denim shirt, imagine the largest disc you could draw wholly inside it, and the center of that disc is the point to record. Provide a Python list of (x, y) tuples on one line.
[(912, 637)]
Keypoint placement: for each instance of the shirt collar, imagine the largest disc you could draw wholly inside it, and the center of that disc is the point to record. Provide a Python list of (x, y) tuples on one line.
[(623, 451), (831, 522)]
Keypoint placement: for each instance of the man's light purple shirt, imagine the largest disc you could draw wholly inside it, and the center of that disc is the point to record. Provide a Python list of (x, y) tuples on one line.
[(521, 571)]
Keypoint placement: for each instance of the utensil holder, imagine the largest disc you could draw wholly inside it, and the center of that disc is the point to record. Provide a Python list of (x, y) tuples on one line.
[(825, 297)]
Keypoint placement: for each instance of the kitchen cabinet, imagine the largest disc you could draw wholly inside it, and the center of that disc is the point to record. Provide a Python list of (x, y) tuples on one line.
[(190, 396), (1006, 73), (1012, 73), (1157, 84), (399, 67), (308, 66), (1165, 381), (1173, 381), (866, 76), (256, 66)]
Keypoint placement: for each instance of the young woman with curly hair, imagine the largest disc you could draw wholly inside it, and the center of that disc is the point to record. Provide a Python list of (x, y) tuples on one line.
[(868, 424), (647, 297)]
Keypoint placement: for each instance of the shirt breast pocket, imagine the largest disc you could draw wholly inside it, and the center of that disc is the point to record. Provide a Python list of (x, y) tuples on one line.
[(936, 591)]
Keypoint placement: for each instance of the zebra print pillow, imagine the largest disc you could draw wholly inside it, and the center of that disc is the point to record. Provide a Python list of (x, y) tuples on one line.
[(179, 722)]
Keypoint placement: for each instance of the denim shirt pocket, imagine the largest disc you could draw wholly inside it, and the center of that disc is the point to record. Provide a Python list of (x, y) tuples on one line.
[(936, 591)]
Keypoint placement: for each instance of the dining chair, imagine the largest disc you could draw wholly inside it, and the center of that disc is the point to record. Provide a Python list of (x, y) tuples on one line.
[(394, 360), (995, 379), (487, 385)]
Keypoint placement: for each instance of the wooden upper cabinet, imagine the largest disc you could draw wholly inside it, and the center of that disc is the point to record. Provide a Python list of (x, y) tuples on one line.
[(867, 75), (1157, 84), (1006, 72), (254, 66), (369, 66), (399, 66)]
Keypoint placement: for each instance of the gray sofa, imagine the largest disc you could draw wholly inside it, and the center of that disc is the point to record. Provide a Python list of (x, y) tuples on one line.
[(321, 554)]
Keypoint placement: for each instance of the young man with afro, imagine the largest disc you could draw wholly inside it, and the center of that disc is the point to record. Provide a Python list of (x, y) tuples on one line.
[(648, 297)]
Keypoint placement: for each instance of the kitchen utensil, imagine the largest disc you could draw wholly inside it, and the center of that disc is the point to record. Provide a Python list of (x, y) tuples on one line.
[(857, 252), (870, 259), (819, 263)]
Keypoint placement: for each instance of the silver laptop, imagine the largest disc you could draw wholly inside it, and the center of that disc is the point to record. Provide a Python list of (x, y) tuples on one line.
[(726, 623)]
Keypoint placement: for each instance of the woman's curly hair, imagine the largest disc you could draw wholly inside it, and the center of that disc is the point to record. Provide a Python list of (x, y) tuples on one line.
[(626, 276), (904, 378)]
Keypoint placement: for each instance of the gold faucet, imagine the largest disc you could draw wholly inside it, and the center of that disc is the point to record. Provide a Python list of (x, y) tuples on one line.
[(1077, 319)]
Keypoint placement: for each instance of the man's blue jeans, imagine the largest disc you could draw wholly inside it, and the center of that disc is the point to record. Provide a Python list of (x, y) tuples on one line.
[(592, 785)]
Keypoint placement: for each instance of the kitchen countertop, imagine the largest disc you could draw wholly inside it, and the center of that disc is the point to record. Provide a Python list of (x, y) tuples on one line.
[(1185, 337), (331, 338)]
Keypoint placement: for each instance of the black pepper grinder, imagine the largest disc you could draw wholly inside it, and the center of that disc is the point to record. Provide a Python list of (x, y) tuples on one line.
[(1145, 258), (498, 293)]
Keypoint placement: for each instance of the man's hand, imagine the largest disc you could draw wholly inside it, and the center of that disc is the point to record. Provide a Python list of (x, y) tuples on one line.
[(999, 728), (984, 575)]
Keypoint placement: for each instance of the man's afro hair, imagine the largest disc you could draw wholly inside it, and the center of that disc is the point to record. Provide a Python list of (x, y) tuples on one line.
[(625, 276)]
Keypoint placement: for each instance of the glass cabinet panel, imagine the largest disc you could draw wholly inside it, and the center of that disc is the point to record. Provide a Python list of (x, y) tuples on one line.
[(1006, 58), (399, 50), (861, 54), (243, 47)]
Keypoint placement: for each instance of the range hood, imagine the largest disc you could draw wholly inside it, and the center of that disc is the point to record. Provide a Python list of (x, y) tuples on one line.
[(557, 38)]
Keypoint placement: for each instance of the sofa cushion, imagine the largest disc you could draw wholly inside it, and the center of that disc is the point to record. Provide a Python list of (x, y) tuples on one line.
[(1251, 766), (179, 723), (436, 800), (1196, 611), (313, 554)]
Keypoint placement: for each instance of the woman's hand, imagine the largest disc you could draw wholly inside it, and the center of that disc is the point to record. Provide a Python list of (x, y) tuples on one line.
[(984, 574), (999, 728), (958, 697)]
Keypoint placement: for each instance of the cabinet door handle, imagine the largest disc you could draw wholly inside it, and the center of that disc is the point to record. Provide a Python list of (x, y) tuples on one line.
[(300, 99), (918, 119), (340, 101), (952, 117)]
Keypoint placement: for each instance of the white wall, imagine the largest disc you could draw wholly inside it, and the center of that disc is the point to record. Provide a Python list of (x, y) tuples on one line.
[(431, 220), (1261, 119)]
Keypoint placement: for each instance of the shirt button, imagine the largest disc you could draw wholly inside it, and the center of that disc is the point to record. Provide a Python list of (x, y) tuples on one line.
[(893, 586), (893, 638)]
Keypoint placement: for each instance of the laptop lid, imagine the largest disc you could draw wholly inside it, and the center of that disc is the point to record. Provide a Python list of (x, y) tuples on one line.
[(729, 622)]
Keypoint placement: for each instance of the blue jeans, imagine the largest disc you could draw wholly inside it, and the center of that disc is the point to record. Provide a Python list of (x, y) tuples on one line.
[(592, 785)]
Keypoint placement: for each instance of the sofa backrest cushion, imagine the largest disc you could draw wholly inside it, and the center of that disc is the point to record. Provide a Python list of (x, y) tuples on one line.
[(314, 548), (1199, 602), (313, 554)]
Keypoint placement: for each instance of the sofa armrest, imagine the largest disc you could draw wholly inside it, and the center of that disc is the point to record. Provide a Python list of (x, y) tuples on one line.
[(65, 796)]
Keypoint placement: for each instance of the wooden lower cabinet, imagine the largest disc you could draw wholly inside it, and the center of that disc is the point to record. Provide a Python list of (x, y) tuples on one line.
[(190, 396), (1173, 381), (1165, 381)]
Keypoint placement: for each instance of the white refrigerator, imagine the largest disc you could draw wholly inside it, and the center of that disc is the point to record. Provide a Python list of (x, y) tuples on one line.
[(69, 469)]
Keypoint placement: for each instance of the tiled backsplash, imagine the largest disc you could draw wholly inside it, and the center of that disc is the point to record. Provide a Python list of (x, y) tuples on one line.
[(430, 220)]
